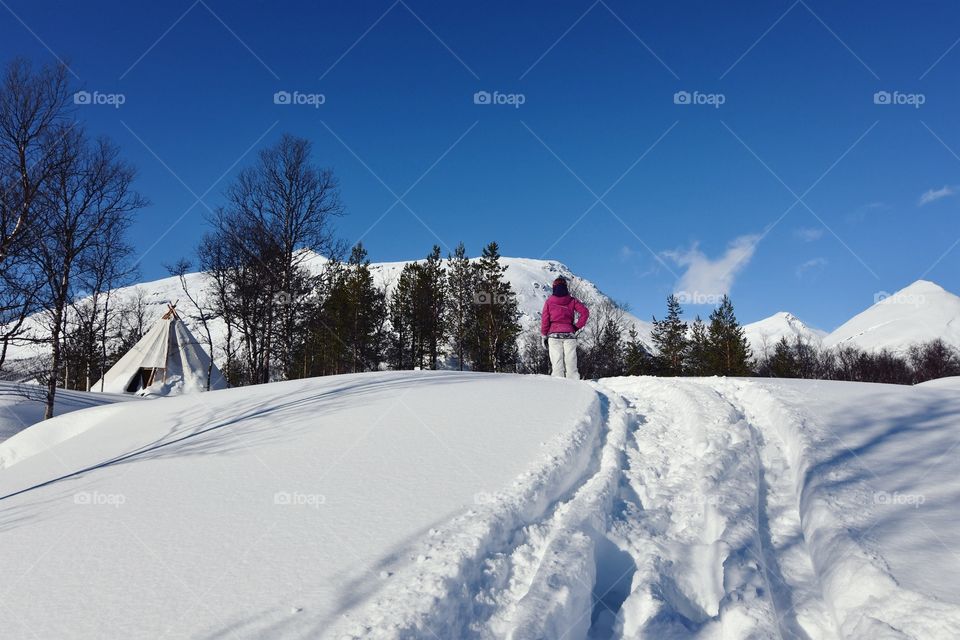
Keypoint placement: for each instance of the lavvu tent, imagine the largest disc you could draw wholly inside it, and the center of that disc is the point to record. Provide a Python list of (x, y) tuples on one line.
[(167, 360)]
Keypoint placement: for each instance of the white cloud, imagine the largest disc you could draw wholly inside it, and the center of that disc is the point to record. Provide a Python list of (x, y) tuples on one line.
[(706, 278), (809, 234), (812, 266), (932, 195)]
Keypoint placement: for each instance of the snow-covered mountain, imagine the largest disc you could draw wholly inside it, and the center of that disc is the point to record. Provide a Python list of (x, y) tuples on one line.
[(531, 280), (764, 335), (920, 312)]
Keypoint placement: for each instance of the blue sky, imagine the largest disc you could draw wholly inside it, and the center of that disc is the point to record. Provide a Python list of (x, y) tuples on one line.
[(799, 192)]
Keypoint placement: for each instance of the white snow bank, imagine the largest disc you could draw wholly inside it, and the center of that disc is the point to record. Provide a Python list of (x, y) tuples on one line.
[(272, 510), (22, 405), (457, 505)]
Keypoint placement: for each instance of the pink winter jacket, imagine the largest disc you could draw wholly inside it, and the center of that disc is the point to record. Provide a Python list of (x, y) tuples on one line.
[(558, 315)]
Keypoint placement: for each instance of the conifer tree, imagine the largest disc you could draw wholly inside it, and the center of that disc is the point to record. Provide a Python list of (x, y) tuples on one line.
[(496, 324), (670, 339), (431, 302), (783, 363), (459, 310), (728, 350), (402, 311), (607, 356), (697, 359), (636, 358)]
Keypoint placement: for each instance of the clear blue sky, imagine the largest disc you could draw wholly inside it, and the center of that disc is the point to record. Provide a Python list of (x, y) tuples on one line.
[(706, 208)]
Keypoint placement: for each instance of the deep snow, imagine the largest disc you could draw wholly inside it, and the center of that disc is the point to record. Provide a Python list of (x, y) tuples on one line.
[(458, 505)]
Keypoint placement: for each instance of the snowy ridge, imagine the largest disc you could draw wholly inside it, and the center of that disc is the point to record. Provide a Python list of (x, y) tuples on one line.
[(764, 335), (918, 313), (531, 280)]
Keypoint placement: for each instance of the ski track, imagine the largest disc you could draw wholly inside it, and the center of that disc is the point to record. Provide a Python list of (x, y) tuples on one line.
[(676, 509)]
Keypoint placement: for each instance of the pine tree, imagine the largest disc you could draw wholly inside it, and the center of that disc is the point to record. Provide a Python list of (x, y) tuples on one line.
[(782, 363), (402, 313), (607, 357), (697, 359), (431, 301), (728, 352), (670, 339), (461, 277), (496, 324), (367, 308), (636, 358)]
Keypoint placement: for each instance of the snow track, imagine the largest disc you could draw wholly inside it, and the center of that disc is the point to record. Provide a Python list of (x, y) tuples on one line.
[(678, 509)]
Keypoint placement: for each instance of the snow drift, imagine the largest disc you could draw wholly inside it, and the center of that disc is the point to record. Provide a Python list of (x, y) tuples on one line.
[(398, 505)]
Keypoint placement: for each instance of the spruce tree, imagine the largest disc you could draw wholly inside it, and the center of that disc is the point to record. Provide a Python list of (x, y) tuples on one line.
[(670, 339), (607, 356), (496, 323), (728, 352), (431, 301), (697, 359), (401, 311), (367, 308), (783, 363), (459, 310), (636, 358)]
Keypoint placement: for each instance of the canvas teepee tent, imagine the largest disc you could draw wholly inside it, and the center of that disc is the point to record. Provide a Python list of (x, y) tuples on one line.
[(167, 360)]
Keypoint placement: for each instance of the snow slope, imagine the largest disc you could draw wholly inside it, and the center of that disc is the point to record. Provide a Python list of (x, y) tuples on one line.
[(22, 405), (764, 335), (457, 505), (530, 279), (918, 313)]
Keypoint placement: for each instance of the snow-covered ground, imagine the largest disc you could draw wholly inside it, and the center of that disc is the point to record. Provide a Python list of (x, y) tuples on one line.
[(459, 505), (22, 405)]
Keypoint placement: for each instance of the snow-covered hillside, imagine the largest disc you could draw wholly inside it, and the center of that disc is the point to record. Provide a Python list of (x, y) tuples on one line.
[(22, 405), (765, 334), (531, 280), (459, 505), (918, 313)]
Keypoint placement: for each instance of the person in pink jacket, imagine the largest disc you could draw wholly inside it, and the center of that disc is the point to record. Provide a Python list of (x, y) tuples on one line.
[(563, 316)]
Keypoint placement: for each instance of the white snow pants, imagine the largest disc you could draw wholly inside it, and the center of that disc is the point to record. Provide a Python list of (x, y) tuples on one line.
[(563, 358)]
